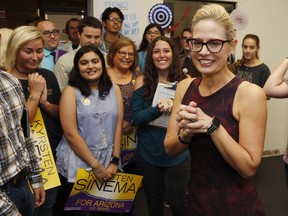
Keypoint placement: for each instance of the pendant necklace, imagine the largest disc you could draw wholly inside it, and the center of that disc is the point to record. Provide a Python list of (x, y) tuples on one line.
[(100, 116)]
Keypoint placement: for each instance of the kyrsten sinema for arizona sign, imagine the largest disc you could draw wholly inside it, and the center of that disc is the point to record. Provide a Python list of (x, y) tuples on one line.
[(115, 196)]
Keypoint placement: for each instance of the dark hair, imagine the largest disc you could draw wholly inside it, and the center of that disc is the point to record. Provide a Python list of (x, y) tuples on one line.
[(68, 23), (151, 74), (43, 20), (89, 21), (144, 43), (254, 37), (76, 80), (184, 30), (116, 46), (110, 10), (32, 20)]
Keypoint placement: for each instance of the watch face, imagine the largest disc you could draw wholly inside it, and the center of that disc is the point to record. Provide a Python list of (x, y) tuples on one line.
[(216, 122), (114, 160)]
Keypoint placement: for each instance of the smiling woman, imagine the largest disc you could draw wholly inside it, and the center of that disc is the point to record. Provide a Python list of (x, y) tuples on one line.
[(162, 174), (40, 88), (212, 117), (91, 113)]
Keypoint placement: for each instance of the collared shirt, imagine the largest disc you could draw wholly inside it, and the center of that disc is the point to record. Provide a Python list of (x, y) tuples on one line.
[(48, 62), (17, 152), (104, 45)]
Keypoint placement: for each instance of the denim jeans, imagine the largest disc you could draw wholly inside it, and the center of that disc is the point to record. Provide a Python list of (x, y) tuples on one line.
[(22, 197), (47, 208), (169, 181)]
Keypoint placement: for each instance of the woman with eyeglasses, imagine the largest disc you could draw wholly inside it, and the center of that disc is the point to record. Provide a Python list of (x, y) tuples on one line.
[(122, 60), (162, 174), (214, 116), (249, 67), (151, 31)]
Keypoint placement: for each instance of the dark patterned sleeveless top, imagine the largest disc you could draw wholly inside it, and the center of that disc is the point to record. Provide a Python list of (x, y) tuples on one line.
[(215, 188), (127, 91)]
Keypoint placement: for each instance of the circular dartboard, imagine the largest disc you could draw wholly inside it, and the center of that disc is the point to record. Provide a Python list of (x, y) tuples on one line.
[(161, 15), (239, 18)]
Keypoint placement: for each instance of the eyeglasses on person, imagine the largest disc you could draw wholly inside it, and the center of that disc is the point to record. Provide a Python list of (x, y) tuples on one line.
[(114, 19), (213, 46), (185, 38), (124, 54), (54, 32)]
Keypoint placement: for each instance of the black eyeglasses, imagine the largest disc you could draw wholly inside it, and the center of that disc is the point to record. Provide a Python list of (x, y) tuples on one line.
[(54, 32), (124, 54), (213, 46), (114, 19)]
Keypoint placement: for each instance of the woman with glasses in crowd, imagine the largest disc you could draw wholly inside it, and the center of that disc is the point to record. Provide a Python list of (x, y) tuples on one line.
[(162, 174), (122, 60), (213, 117), (151, 31)]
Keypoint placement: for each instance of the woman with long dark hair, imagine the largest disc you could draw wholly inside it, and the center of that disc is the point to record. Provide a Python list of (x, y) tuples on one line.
[(162, 174), (151, 31), (91, 113)]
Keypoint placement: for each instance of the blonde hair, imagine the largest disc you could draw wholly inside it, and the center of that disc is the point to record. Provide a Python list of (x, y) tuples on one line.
[(217, 13), (19, 37), (5, 34)]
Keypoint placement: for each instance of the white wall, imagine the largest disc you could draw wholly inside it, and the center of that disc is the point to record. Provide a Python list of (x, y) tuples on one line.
[(135, 13), (268, 19)]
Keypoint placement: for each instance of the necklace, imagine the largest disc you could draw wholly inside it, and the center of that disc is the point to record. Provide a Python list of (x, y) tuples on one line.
[(22, 72), (100, 117)]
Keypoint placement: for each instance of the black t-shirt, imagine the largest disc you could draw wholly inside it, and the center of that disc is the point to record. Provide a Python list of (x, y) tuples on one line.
[(53, 128), (257, 75)]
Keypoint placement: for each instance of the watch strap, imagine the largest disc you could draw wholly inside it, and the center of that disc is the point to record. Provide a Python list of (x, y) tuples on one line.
[(183, 141), (115, 160), (214, 125)]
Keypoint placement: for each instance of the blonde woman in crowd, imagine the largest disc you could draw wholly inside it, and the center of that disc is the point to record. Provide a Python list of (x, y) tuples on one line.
[(213, 118), (4, 37)]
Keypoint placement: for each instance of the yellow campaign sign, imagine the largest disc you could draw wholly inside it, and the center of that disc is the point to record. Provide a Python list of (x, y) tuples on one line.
[(128, 148), (114, 196), (44, 152)]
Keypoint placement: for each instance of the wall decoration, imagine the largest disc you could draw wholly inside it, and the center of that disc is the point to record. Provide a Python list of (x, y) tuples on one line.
[(161, 15), (239, 18)]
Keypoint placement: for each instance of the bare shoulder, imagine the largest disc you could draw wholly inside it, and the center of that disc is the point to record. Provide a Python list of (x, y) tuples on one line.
[(68, 90), (117, 89), (249, 95), (250, 91), (184, 84), (139, 81)]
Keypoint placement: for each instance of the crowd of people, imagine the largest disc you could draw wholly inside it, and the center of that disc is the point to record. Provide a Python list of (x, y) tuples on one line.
[(100, 87)]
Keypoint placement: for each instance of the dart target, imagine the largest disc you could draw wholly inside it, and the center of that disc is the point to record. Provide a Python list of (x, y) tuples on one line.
[(161, 15)]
